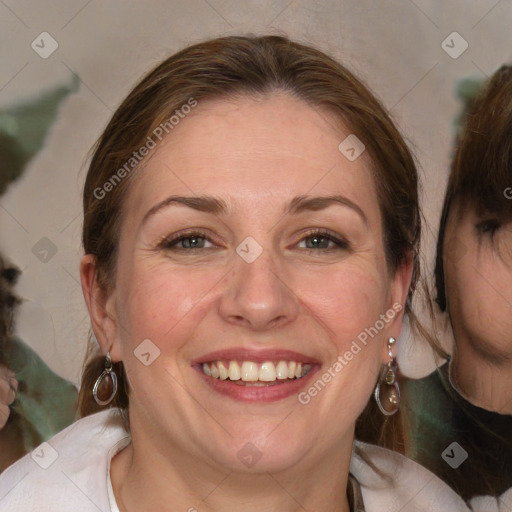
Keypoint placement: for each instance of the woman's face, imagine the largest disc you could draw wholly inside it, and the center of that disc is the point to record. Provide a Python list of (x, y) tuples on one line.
[(478, 277), (234, 272)]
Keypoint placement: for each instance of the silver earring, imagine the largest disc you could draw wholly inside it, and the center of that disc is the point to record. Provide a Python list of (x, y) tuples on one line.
[(100, 386), (388, 397)]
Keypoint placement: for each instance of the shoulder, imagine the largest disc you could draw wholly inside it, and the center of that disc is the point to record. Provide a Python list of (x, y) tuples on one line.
[(69, 472), (390, 481)]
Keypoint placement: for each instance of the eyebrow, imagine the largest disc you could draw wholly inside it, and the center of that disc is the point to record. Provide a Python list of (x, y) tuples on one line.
[(218, 206), (304, 203)]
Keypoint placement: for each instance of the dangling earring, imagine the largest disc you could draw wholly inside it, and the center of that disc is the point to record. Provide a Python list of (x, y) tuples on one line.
[(391, 393), (108, 375)]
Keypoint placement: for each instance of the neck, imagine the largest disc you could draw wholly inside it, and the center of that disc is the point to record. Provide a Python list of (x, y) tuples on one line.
[(148, 478), (485, 382)]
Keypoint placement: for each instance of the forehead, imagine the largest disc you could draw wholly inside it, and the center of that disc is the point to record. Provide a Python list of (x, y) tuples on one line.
[(253, 149)]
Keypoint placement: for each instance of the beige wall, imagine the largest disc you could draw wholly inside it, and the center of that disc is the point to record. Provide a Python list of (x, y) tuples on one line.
[(394, 45)]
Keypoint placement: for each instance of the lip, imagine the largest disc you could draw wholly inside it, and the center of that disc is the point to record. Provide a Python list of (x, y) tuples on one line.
[(266, 393), (256, 394), (257, 356)]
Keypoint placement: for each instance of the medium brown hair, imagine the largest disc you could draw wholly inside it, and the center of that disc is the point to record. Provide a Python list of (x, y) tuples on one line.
[(481, 169), (228, 67)]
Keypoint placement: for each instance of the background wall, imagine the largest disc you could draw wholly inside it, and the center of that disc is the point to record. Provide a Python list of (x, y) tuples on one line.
[(396, 46)]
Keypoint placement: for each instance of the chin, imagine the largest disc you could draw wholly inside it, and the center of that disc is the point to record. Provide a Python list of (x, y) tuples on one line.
[(266, 452)]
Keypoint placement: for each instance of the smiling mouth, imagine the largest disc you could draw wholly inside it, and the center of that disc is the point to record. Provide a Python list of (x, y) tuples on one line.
[(250, 373)]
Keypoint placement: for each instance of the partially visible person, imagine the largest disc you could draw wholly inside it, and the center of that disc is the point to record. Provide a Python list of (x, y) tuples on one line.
[(35, 403), (8, 387), (460, 416), (41, 403), (8, 382)]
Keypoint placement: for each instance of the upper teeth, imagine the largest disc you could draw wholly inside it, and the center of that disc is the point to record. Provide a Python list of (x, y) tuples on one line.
[(249, 371)]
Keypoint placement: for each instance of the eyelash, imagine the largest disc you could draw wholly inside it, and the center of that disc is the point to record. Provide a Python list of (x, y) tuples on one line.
[(342, 244), (171, 243), (488, 227)]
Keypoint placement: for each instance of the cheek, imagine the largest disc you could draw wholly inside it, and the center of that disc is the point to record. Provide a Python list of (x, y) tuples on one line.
[(495, 283), (351, 298), (491, 299), (463, 291), (155, 300), (349, 304), (480, 294), (351, 309)]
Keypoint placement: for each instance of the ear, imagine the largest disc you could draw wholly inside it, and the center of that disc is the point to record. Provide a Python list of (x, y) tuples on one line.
[(101, 306), (400, 283)]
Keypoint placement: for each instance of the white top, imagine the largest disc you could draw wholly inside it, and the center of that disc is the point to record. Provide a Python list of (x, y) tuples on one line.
[(71, 473)]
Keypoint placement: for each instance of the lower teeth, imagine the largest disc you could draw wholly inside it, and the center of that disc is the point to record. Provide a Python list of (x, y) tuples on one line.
[(260, 383)]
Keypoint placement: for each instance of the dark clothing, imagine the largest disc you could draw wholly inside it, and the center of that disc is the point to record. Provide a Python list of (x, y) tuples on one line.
[(437, 417)]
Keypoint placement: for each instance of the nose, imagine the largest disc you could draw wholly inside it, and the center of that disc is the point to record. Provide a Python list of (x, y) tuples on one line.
[(257, 295)]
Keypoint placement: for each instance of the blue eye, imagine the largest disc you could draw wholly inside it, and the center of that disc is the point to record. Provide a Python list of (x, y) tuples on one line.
[(315, 240), (193, 240), (320, 239)]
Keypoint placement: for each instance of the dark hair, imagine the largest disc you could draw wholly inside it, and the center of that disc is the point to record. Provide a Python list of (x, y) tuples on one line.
[(481, 169), (229, 67)]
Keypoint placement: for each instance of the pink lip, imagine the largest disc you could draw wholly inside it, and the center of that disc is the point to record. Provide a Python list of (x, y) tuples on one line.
[(257, 356), (259, 394), (268, 393)]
